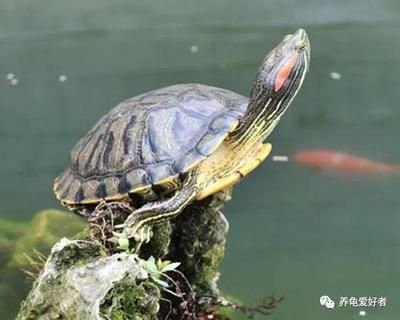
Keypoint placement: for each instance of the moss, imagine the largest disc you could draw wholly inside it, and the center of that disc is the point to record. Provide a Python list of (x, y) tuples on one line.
[(44, 302), (210, 261), (68, 287), (159, 243), (45, 229), (83, 234), (73, 255), (129, 301), (199, 244), (10, 231), (19, 239)]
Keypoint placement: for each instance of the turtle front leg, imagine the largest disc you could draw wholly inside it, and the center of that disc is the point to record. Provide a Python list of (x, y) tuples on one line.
[(153, 212)]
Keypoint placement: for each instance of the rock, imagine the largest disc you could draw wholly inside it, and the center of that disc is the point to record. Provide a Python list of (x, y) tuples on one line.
[(198, 242), (80, 281), (87, 279), (19, 239)]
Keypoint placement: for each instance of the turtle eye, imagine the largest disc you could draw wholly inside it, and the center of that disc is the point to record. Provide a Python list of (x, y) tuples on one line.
[(300, 45)]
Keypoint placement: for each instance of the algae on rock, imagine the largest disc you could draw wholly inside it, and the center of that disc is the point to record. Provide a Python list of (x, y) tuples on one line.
[(198, 242), (20, 240), (10, 232), (80, 281), (45, 229)]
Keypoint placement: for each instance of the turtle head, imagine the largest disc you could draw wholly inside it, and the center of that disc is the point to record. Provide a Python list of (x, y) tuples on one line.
[(283, 69), (279, 78)]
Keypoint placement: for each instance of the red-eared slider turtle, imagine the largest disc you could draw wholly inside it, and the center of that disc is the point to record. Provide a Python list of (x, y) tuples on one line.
[(182, 143)]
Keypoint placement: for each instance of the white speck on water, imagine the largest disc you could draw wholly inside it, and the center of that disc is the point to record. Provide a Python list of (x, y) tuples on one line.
[(335, 75), (14, 82), (62, 78), (10, 76), (280, 158), (194, 49), (362, 313)]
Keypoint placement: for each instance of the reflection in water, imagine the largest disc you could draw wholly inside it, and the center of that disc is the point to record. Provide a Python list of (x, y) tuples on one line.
[(292, 232)]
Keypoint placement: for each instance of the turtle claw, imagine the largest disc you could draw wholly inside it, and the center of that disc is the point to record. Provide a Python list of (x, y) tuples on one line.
[(144, 235), (126, 232), (129, 232), (130, 229)]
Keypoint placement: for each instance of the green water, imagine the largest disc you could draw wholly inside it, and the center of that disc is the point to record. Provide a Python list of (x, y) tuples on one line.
[(293, 231)]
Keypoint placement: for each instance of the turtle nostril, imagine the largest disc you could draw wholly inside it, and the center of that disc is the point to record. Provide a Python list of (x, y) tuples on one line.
[(299, 45)]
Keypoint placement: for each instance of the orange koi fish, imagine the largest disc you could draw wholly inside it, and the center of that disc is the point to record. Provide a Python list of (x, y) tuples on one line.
[(337, 161)]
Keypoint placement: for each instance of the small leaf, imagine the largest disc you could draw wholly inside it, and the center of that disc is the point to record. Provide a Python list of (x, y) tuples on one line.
[(171, 266), (156, 275), (161, 264), (161, 282), (123, 244), (150, 265)]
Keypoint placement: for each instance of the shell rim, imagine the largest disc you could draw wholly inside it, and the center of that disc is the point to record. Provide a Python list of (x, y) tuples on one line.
[(120, 196)]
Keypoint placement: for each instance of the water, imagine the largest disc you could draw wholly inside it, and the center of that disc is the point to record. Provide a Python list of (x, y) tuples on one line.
[(293, 231)]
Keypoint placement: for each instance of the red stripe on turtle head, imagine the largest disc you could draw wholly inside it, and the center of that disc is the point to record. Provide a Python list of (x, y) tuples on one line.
[(284, 72)]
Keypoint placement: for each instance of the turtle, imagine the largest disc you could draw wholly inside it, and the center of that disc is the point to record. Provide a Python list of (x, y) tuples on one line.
[(183, 143)]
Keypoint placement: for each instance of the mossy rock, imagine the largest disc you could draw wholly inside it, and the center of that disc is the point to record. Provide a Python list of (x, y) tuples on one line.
[(81, 281), (198, 242), (45, 229), (131, 301)]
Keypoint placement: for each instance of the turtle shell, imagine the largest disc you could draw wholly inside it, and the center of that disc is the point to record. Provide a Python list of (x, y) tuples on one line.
[(147, 139)]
